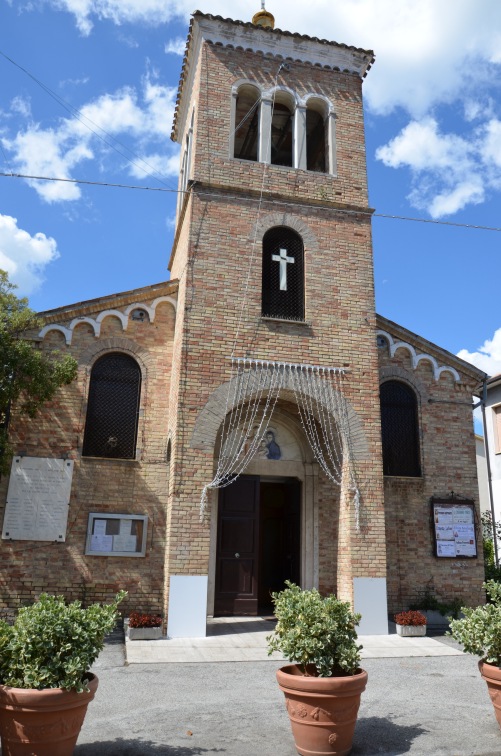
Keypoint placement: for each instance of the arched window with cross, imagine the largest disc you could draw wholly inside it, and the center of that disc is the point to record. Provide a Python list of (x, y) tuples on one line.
[(283, 274)]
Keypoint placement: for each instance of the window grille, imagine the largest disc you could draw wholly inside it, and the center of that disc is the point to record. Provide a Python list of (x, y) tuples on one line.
[(283, 274), (113, 408), (399, 430)]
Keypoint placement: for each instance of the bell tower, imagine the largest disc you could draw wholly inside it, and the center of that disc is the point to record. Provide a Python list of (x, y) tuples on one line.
[(273, 256)]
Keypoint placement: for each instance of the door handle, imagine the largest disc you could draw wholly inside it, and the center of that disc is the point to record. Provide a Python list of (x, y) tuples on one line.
[(237, 555)]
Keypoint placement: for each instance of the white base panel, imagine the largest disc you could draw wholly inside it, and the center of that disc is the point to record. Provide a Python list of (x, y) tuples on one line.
[(187, 606), (369, 598)]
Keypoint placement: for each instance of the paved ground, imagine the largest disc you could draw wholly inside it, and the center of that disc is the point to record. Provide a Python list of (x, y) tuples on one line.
[(244, 639), (424, 706)]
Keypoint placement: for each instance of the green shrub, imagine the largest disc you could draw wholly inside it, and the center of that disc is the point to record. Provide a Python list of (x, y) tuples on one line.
[(429, 602), (53, 644), (317, 631), (480, 629)]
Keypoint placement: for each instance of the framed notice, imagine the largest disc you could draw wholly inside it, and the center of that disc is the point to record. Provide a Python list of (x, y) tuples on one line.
[(116, 535), (454, 528), (38, 499)]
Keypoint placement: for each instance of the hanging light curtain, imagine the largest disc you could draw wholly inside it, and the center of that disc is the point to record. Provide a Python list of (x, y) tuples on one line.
[(253, 391)]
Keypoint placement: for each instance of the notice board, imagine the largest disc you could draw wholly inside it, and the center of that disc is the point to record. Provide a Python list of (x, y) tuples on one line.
[(454, 528)]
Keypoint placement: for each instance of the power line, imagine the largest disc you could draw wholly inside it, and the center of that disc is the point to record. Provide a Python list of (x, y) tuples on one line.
[(437, 222), (93, 183), (255, 199), (83, 118)]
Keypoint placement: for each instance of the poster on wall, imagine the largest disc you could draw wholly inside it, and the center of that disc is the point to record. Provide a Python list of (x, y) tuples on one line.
[(454, 528), (38, 499)]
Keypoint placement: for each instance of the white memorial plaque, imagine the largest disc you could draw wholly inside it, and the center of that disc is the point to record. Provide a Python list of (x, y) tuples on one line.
[(38, 499)]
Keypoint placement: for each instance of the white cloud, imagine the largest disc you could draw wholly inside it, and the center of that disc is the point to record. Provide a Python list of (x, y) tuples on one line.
[(426, 53), (448, 171), (21, 106), (56, 152), (162, 165), (176, 46), (491, 151), (121, 11), (421, 147), (23, 256), (488, 356)]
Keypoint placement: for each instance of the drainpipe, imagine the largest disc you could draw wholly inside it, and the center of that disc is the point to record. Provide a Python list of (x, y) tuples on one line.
[(489, 472)]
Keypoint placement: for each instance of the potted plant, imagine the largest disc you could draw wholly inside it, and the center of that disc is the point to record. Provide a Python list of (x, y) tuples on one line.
[(45, 683), (323, 685), (144, 626), (410, 624), (479, 631)]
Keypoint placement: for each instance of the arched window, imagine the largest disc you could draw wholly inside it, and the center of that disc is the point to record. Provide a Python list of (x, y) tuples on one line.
[(113, 408), (247, 123), (283, 274), (399, 430), (316, 137), (282, 121)]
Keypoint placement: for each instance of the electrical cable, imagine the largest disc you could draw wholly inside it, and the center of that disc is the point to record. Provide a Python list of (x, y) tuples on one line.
[(79, 116), (240, 198)]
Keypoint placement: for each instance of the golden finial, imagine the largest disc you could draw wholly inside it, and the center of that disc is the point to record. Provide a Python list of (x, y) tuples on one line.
[(264, 18)]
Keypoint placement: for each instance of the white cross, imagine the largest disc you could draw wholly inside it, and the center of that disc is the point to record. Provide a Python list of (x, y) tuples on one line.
[(283, 260)]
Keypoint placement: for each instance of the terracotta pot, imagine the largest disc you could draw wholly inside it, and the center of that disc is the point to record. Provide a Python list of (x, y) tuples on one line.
[(322, 710), (42, 722), (492, 676)]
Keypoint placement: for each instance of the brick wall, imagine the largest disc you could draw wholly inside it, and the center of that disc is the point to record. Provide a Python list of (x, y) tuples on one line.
[(447, 454), (213, 262), (99, 485)]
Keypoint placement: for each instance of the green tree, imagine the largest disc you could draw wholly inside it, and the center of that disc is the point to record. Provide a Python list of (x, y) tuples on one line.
[(492, 572), (29, 377)]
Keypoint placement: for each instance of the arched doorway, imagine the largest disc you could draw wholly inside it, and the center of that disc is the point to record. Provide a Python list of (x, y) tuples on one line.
[(258, 543)]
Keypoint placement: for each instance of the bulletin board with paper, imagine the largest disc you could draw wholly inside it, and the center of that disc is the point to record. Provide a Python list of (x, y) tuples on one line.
[(454, 528), (116, 535)]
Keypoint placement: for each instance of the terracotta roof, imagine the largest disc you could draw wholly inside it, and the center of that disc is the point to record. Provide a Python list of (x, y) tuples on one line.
[(248, 24)]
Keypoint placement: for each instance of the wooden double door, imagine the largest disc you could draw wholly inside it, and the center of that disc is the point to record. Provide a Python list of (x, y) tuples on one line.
[(258, 543)]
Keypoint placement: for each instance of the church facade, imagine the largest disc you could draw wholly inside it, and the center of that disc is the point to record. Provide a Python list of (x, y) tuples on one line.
[(263, 356)]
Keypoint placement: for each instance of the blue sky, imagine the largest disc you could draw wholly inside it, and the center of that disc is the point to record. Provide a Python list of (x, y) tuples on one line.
[(433, 127)]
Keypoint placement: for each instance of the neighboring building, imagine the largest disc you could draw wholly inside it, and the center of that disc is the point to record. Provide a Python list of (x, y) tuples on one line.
[(492, 431), (483, 481), (271, 265)]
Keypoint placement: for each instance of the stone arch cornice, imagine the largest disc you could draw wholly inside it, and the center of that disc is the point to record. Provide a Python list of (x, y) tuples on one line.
[(396, 373), (96, 322), (416, 357), (245, 83), (271, 94), (271, 220), (117, 344), (305, 100), (211, 416)]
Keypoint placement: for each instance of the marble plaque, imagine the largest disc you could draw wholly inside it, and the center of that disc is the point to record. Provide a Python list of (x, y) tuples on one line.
[(38, 499)]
